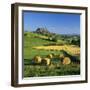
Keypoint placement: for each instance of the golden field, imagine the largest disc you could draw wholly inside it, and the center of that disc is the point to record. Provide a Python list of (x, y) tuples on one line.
[(72, 49)]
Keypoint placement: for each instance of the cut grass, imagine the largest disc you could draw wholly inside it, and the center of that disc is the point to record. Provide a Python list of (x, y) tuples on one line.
[(56, 70)]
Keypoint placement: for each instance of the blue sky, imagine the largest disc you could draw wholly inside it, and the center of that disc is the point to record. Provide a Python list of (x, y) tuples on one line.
[(61, 23)]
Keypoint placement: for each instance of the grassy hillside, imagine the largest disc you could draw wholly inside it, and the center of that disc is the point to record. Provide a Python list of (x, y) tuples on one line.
[(31, 41), (56, 68)]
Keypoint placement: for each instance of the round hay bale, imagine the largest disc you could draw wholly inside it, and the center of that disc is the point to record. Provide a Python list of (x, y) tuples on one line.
[(37, 59), (61, 56), (50, 56), (46, 61), (66, 61)]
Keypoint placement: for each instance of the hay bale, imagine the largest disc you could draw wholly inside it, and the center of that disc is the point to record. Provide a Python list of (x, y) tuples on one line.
[(66, 61), (46, 61), (61, 56), (37, 59), (50, 56)]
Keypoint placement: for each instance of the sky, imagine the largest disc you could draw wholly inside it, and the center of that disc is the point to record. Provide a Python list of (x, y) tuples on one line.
[(60, 23)]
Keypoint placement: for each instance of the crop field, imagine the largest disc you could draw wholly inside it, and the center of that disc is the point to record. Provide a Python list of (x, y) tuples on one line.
[(38, 46), (74, 50)]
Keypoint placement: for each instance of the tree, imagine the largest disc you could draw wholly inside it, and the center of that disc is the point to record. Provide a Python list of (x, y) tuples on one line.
[(76, 41), (56, 38)]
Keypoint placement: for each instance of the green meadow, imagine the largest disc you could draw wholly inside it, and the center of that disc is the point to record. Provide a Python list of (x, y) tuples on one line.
[(56, 68)]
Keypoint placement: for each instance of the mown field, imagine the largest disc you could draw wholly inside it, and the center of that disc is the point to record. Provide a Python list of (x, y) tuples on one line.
[(39, 45)]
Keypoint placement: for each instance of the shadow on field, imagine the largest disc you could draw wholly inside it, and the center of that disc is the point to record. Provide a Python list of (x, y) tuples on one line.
[(28, 62), (74, 59)]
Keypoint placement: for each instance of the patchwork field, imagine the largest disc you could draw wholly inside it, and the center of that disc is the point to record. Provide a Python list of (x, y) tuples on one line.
[(40, 47)]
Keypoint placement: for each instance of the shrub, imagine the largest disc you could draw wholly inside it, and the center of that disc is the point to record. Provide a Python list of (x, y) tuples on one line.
[(25, 34), (66, 61)]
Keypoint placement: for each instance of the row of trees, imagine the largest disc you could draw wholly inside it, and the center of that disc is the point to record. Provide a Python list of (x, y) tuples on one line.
[(70, 39)]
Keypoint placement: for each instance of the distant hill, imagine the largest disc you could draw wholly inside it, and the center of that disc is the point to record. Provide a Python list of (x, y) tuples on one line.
[(42, 31)]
